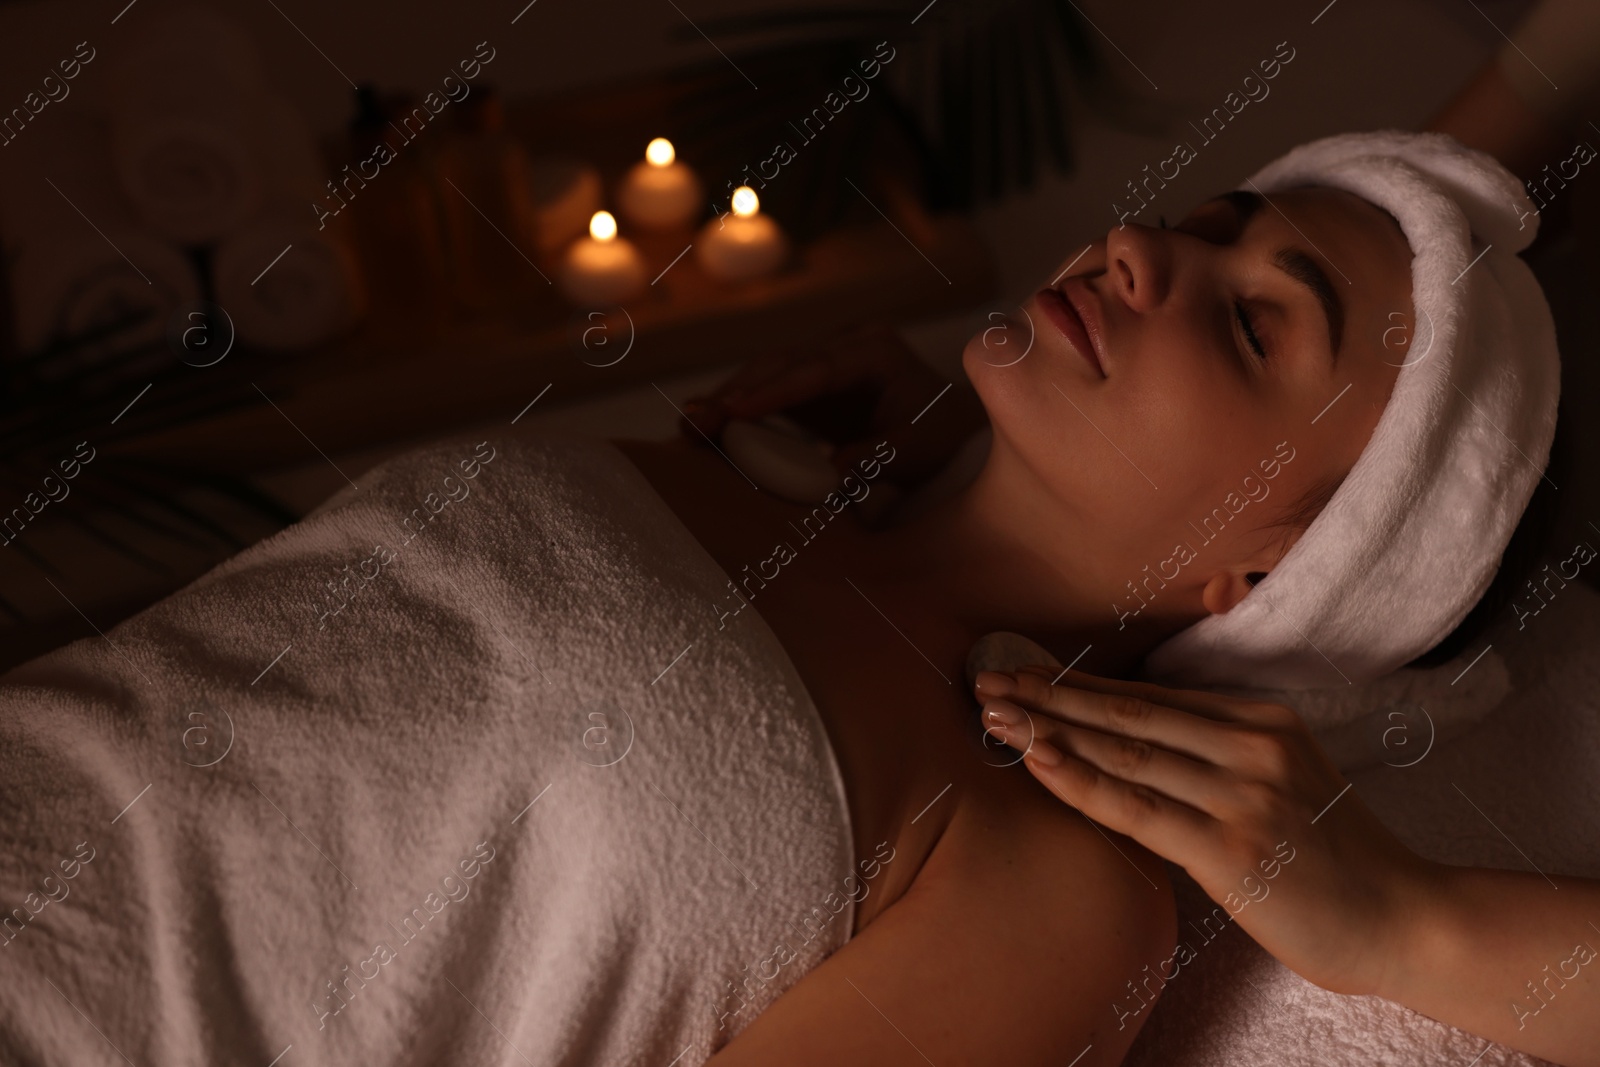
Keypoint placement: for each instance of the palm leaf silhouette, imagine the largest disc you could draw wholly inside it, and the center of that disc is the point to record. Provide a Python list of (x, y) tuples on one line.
[(72, 390), (974, 105)]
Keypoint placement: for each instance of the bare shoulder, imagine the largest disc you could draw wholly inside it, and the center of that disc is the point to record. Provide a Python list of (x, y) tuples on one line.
[(1011, 946)]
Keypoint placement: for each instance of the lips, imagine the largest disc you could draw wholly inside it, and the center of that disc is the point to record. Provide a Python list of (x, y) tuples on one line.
[(1065, 308)]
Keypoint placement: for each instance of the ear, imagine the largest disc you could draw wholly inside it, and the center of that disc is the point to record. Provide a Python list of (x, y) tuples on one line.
[(1227, 588)]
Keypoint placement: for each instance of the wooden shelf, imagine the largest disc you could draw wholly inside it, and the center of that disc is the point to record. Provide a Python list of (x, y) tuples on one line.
[(403, 375), (419, 368)]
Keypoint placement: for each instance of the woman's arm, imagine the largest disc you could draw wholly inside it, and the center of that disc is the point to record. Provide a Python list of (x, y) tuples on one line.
[(1529, 106), (853, 390), (1490, 116), (1508, 955), (1240, 795), (1014, 946)]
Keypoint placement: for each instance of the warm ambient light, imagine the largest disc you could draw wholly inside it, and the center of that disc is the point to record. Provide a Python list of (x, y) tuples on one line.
[(602, 268), (659, 152), (661, 191), (742, 243), (603, 226)]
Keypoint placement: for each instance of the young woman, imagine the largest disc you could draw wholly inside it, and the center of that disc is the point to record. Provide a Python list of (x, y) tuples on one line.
[(1178, 389), (239, 895)]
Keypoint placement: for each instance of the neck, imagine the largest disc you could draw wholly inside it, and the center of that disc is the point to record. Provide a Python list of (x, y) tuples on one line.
[(994, 558)]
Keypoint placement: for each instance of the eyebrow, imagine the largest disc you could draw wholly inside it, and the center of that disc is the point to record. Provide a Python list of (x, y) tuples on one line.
[(1298, 266)]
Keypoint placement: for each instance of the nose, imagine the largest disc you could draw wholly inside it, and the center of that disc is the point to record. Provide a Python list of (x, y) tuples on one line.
[(1139, 265)]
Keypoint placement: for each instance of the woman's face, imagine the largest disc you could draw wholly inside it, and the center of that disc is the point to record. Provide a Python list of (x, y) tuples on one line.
[(1235, 363)]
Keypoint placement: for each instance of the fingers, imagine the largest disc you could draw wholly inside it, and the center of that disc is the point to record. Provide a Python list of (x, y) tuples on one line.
[(772, 382), (1170, 829), (758, 370), (1198, 784), (1216, 706), (1243, 763), (703, 419), (1113, 712), (795, 384), (871, 356), (761, 387), (707, 414), (926, 418)]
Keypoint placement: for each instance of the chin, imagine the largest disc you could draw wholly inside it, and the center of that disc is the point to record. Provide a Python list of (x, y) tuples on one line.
[(1011, 371), (1025, 432), (996, 386), (1000, 362), (1008, 343)]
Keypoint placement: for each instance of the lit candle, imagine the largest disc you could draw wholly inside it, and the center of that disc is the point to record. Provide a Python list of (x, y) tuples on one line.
[(746, 245), (602, 268), (660, 193)]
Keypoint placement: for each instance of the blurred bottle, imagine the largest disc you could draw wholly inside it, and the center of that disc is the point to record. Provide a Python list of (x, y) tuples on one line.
[(395, 209), (486, 188)]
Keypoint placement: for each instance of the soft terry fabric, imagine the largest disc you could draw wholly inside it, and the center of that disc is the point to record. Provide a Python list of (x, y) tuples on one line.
[(1413, 536), (241, 796)]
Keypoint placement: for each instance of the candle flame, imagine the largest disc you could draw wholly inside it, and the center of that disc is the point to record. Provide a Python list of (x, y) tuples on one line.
[(660, 152), (745, 202), (603, 226)]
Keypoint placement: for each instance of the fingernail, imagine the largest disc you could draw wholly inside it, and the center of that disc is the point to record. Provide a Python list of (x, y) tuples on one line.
[(995, 684), (1002, 714), (1043, 753)]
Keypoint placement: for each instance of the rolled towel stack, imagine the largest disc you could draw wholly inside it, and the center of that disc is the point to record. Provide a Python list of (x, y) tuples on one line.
[(77, 257), (186, 151), (210, 154), (193, 150)]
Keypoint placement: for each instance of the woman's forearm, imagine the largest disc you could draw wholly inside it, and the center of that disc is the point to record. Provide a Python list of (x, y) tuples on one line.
[(1510, 955), (1489, 115)]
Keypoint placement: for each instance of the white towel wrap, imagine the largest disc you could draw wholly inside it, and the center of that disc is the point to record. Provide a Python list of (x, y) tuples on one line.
[(269, 792)]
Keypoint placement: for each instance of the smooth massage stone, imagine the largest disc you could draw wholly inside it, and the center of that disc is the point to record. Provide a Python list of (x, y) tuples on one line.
[(1004, 651), (782, 458)]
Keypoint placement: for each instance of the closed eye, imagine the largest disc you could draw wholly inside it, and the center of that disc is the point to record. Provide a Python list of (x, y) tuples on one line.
[(1249, 330)]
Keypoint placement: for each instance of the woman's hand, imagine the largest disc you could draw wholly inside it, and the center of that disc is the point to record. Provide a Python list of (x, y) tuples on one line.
[(1238, 794), (856, 390)]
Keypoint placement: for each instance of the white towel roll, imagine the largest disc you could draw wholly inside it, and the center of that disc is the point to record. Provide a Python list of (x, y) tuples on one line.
[(311, 295), (200, 142), (190, 160), (76, 258), (77, 281)]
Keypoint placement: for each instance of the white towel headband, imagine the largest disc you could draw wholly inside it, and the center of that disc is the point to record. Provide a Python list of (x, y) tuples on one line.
[(1414, 535)]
